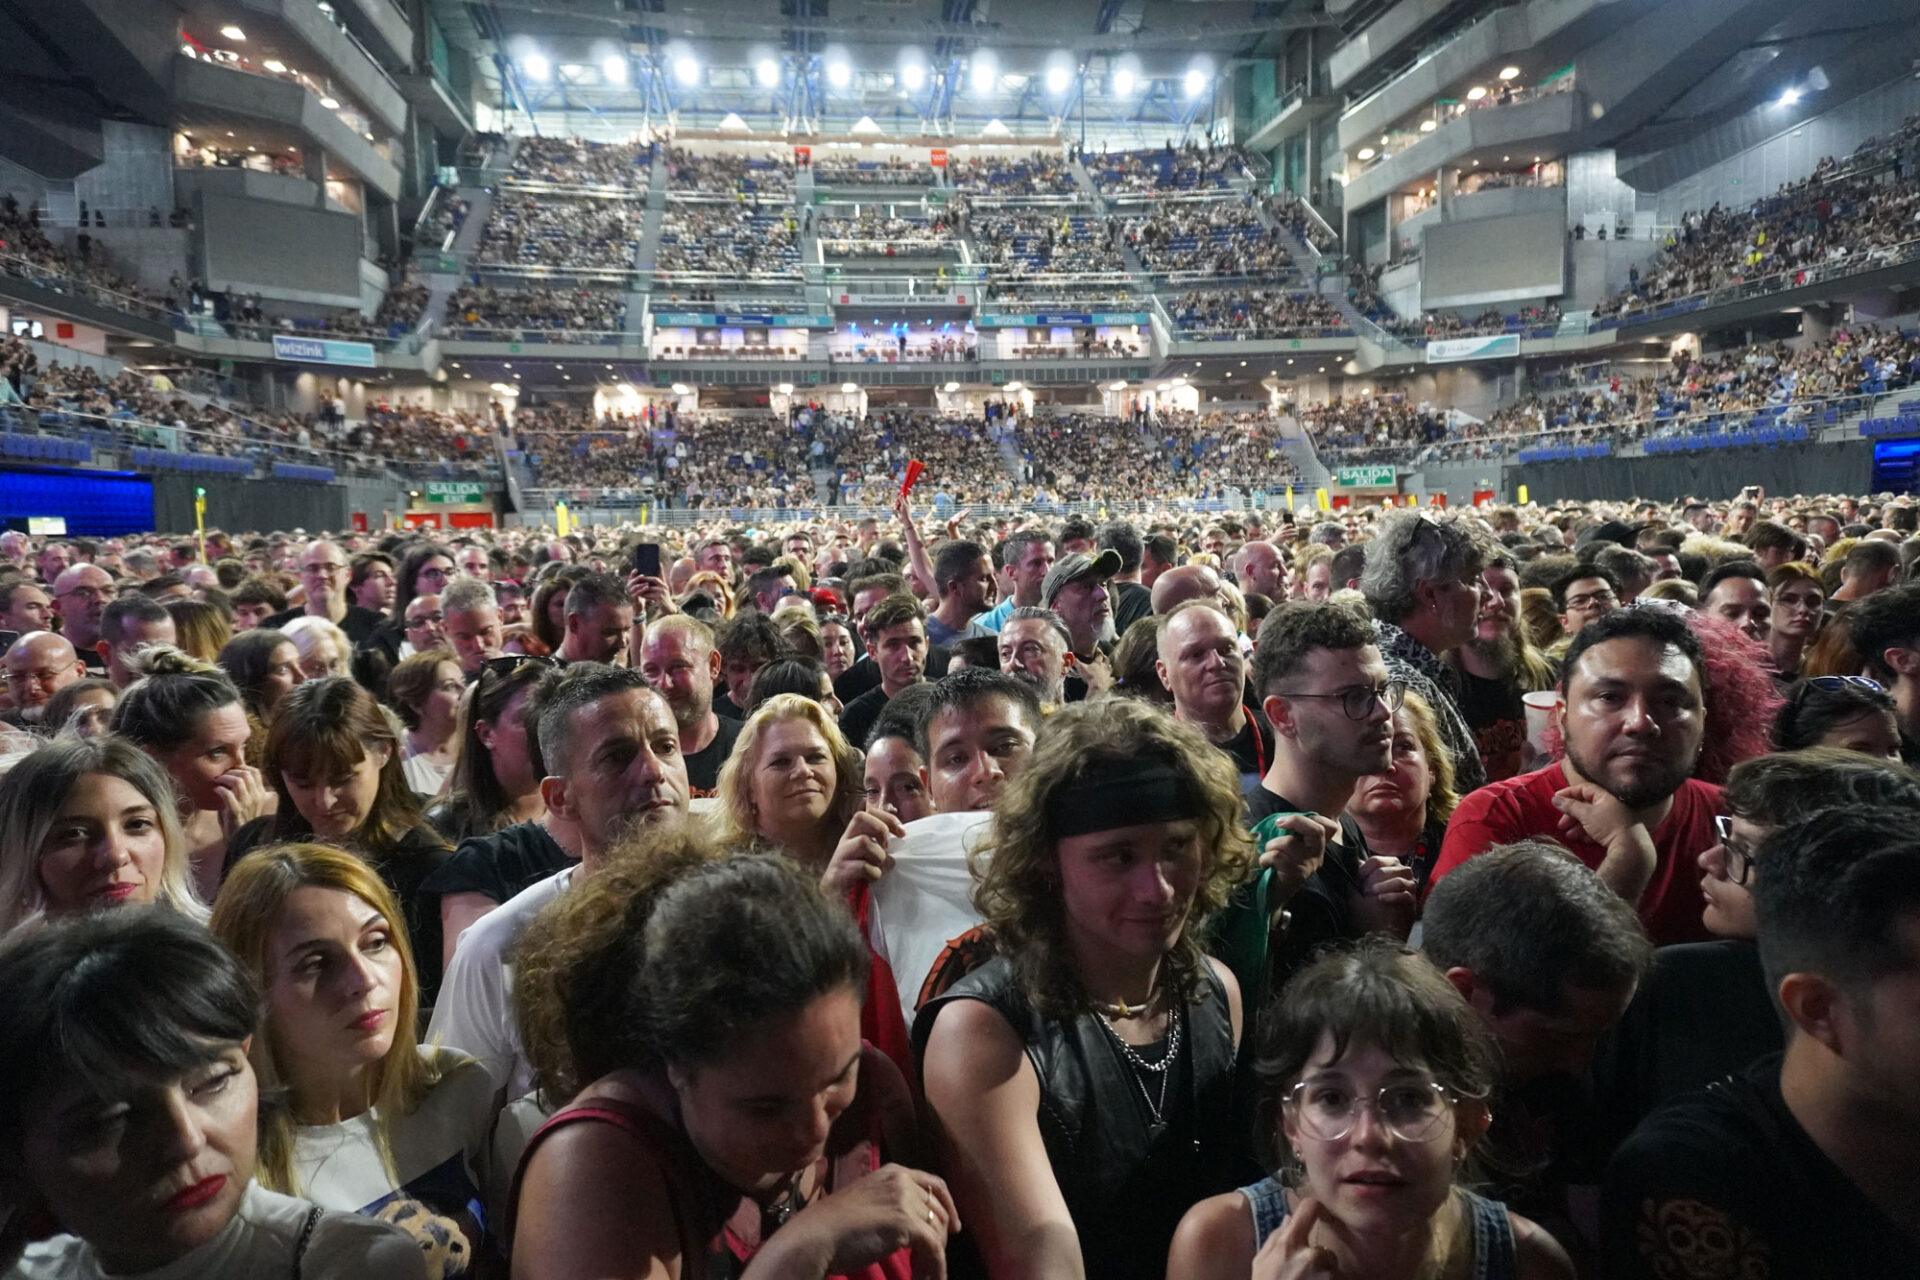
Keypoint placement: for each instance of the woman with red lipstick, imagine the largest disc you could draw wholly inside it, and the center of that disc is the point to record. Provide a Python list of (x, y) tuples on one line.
[(88, 823), (334, 759), (1372, 1086), (375, 1122), (739, 1127), (1081, 1078), (128, 1109)]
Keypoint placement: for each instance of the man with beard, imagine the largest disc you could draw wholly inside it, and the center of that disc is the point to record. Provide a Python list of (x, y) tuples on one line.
[(1033, 650), (1076, 589), (1496, 666), (1623, 800), (964, 579), (680, 662), (1200, 663)]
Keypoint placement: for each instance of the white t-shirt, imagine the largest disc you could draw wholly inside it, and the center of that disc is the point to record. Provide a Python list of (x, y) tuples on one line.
[(474, 1011), (923, 901), (424, 777), (257, 1245), (440, 1154)]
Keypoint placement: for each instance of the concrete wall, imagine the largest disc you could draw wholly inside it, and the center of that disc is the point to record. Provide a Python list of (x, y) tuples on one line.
[(1596, 268), (137, 174)]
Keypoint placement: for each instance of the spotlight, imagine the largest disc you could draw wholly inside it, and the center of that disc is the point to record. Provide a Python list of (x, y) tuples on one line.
[(1476, 93), (982, 74), (1196, 82), (1059, 76), (913, 76), (1364, 153), (1429, 125), (276, 66), (232, 32), (839, 74), (1509, 73), (686, 70), (536, 66), (1790, 97), (767, 73), (1123, 82), (614, 70), (330, 102)]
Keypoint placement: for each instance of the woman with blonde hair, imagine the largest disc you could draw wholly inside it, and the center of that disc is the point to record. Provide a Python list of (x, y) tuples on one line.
[(715, 588), (792, 783), (334, 759), (1403, 811), (200, 629), (324, 648), (87, 823), (1080, 1079), (374, 1122)]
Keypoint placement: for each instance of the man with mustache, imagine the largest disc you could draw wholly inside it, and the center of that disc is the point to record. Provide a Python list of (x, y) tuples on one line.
[(1624, 799), (1076, 589)]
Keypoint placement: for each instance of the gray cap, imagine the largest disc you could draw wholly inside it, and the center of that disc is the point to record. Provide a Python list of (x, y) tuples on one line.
[(1101, 564)]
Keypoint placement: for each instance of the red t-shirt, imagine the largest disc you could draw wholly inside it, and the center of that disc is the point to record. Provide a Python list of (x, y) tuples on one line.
[(1522, 808)]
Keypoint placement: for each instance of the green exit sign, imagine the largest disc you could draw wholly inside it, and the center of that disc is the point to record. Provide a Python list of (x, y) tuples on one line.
[(455, 491)]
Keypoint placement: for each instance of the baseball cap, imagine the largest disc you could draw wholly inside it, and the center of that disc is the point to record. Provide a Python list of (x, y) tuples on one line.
[(1101, 564)]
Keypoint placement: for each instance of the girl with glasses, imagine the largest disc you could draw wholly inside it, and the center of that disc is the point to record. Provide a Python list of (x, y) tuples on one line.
[(1371, 1091)]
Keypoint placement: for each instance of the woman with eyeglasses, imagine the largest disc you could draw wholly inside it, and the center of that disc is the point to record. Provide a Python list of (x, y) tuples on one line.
[(425, 569), (1853, 713), (1372, 1086)]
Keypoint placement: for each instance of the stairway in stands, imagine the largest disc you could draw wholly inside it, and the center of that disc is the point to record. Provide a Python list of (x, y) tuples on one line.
[(441, 284), (1295, 443), (1010, 458)]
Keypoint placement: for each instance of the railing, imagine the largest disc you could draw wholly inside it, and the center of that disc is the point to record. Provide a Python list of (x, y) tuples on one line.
[(541, 271), (581, 190), (259, 447), (1853, 264), (1262, 333), (60, 282), (455, 331), (581, 503)]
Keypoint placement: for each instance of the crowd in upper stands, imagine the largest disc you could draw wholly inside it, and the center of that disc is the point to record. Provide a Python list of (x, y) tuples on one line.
[(1039, 174), (1018, 242), (1256, 314), (527, 230), (26, 250), (576, 162), (750, 176), (478, 310), (1169, 169), (727, 241), (883, 233), (894, 171), (1218, 237)]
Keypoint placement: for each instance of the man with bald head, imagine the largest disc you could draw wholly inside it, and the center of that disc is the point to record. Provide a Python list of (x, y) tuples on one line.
[(1188, 582), (676, 655), (39, 665), (80, 596), (1200, 663), (1264, 570), (323, 573)]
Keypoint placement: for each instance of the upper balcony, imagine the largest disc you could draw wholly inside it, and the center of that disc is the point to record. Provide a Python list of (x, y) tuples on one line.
[(214, 92), (1537, 129), (296, 34)]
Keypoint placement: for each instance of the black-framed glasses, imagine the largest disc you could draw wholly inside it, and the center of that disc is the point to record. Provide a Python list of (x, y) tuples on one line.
[(1604, 599), (1414, 1110), (1739, 856), (1834, 684), (1358, 702)]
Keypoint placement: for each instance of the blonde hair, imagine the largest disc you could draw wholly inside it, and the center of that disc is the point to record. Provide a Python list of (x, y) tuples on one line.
[(201, 628), (734, 822), (714, 585), (1441, 796), (250, 902), (306, 634), (37, 785), (802, 577)]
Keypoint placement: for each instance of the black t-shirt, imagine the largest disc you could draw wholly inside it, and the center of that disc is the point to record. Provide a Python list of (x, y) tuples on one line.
[(1131, 602), (703, 766), (1493, 710), (865, 674), (1725, 1183), (1252, 751), (858, 717), (1704, 1013), (358, 623), (1322, 911), (501, 863)]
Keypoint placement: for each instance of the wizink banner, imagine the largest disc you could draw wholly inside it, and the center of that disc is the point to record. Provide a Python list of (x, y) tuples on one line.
[(323, 351), (712, 320), (1487, 346), (1047, 319)]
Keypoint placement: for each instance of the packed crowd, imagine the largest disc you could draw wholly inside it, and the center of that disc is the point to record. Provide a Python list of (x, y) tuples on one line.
[(1216, 237), (1256, 314), (551, 906), (1042, 242), (895, 171), (727, 241), (1039, 174), (1451, 324), (771, 174), (1849, 216), (525, 230), (26, 251), (576, 162), (1168, 170), (480, 310), (876, 233)]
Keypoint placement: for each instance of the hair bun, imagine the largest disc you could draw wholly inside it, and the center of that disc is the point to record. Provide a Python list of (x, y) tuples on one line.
[(168, 660)]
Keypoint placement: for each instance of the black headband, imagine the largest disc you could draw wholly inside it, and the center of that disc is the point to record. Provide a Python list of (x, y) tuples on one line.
[(1126, 794)]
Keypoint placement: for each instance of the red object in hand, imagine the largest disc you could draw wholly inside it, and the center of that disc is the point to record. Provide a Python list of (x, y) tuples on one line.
[(915, 469)]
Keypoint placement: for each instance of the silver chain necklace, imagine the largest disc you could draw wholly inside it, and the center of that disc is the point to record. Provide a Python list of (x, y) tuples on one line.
[(1161, 1068)]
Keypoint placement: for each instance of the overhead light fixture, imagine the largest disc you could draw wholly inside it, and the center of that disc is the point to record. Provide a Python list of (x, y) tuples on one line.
[(1509, 73), (785, 388), (276, 66), (951, 387), (1428, 126), (1195, 83), (849, 387), (767, 73), (506, 389), (1364, 153), (1790, 97), (330, 102), (1384, 139), (1118, 386), (681, 388), (1476, 93), (686, 70), (232, 32), (982, 74), (1059, 76), (536, 66), (839, 74), (1123, 82), (614, 69), (913, 76)]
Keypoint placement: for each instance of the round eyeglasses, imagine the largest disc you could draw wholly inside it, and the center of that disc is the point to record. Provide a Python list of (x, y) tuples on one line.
[(1358, 701), (1414, 1110)]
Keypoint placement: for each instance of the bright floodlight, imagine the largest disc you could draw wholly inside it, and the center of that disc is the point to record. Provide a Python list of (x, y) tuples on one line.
[(839, 74), (1123, 82), (1476, 93), (982, 74), (686, 70), (767, 73), (913, 76), (536, 66), (1509, 73), (1196, 82), (1364, 153), (1058, 78), (1790, 97), (232, 32), (614, 69)]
